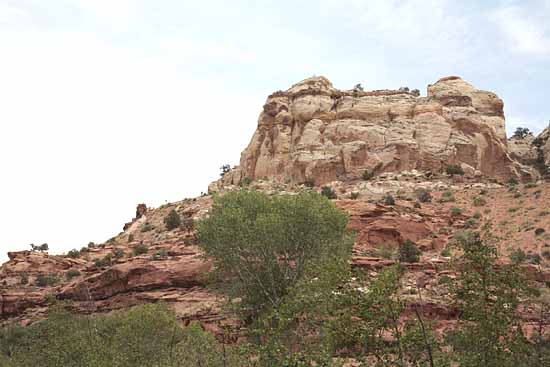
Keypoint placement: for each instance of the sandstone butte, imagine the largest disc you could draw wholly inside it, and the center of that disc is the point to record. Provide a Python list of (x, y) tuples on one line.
[(313, 133)]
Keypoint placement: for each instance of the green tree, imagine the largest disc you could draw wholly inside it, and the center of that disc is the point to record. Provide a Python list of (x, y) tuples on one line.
[(263, 244), (489, 332)]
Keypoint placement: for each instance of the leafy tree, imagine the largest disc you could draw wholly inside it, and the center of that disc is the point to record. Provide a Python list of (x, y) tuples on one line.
[(224, 169), (172, 220), (489, 332), (73, 254), (522, 132), (264, 244)]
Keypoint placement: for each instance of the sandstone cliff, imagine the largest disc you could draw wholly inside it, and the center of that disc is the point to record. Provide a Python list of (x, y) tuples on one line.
[(315, 132)]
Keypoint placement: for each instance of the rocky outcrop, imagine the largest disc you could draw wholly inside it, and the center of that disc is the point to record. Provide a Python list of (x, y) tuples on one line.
[(314, 132), (533, 151)]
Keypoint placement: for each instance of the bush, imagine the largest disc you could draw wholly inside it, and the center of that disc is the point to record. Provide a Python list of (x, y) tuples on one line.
[(521, 132), (446, 252), (73, 254), (408, 252), (103, 262), (423, 196), (518, 256), (328, 192), (245, 182), (140, 249), (455, 212), (454, 169), (479, 201), (367, 175), (146, 227), (354, 195), (160, 254), (275, 239), (118, 253), (309, 182), (539, 231), (72, 273), (43, 280), (388, 200), (24, 279), (130, 238), (188, 224), (172, 220)]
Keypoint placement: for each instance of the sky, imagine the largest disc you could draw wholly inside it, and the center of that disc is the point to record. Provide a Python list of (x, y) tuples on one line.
[(105, 104)]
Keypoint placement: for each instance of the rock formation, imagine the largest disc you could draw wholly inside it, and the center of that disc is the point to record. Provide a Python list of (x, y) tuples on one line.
[(533, 151), (315, 132)]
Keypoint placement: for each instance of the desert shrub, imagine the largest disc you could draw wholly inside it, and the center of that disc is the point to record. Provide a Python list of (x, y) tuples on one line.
[(328, 192), (546, 254), (130, 237), (172, 220), (104, 262), (521, 132), (446, 252), (140, 249), (388, 200), (479, 201), (471, 223), (354, 195), (539, 231), (73, 254), (245, 182), (455, 212), (530, 185), (454, 169), (423, 196), (188, 224), (408, 252), (118, 253), (367, 175), (518, 256), (477, 215), (160, 254), (447, 197), (266, 244), (24, 279), (533, 259), (417, 205), (44, 280), (146, 227), (72, 273)]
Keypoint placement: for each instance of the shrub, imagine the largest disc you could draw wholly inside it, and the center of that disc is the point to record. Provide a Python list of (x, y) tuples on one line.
[(533, 259), (521, 132), (417, 205), (408, 252), (455, 212), (104, 261), (245, 182), (367, 175), (276, 239), (140, 249), (546, 254), (172, 220), (146, 227), (118, 253), (447, 197), (160, 254), (72, 273), (512, 181), (471, 223), (354, 195), (518, 256), (43, 280), (446, 252), (423, 196), (24, 279), (479, 201), (130, 237), (328, 192), (539, 231), (454, 169), (73, 254), (388, 200), (477, 215)]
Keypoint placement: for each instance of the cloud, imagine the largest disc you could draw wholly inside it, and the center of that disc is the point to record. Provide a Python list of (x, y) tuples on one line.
[(11, 14), (525, 29)]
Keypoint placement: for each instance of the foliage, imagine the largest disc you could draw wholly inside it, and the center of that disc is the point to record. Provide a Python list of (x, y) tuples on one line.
[(354, 195), (367, 175), (140, 249), (224, 169), (489, 333), (455, 211), (45, 280), (479, 201), (388, 200), (265, 244), (172, 220), (408, 252), (328, 192), (72, 273), (73, 254), (41, 248), (521, 132), (454, 169), (146, 335), (423, 196)]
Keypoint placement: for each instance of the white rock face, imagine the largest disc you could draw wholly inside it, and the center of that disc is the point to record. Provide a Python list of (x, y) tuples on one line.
[(315, 132)]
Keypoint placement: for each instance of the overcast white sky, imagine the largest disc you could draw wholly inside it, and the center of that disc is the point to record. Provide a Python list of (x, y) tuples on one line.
[(108, 103)]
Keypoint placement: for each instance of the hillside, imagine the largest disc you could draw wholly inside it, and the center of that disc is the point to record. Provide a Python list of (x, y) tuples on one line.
[(443, 159)]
